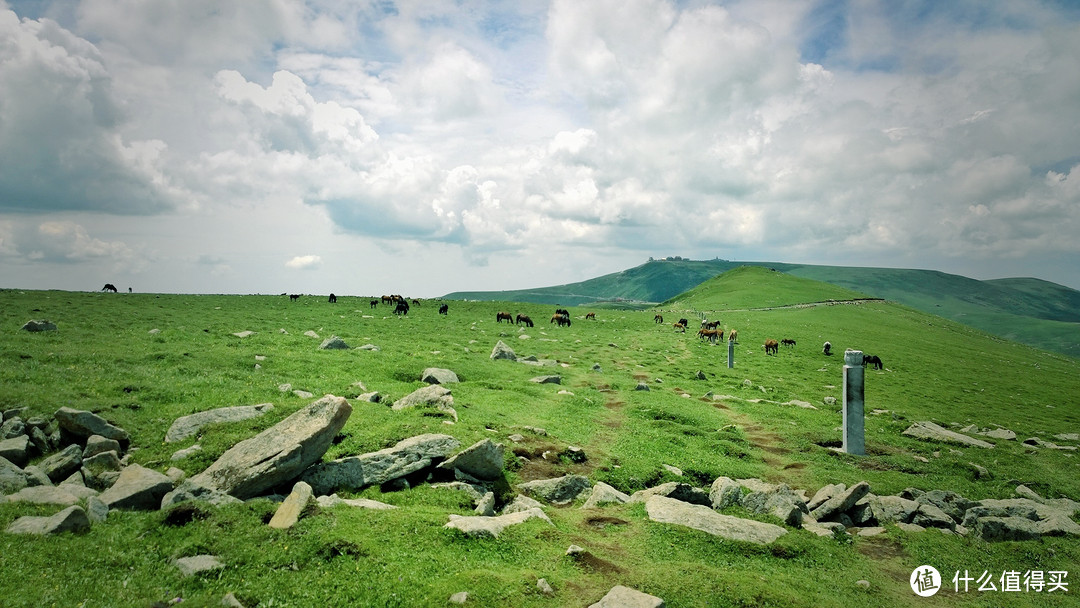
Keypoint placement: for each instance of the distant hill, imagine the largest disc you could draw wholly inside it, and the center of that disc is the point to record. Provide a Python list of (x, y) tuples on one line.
[(1034, 312), (758, 287)]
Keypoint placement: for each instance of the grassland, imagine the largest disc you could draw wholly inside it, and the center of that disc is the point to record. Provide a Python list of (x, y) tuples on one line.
[(104, 359)]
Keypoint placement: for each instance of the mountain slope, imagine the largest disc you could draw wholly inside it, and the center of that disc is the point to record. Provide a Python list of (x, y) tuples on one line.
[(750, 287)]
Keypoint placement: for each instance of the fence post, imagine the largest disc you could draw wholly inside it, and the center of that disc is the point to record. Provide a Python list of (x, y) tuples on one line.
[(854, 407), (730, 354)]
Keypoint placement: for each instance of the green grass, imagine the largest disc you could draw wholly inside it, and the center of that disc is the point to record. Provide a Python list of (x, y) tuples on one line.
[(103, 359)]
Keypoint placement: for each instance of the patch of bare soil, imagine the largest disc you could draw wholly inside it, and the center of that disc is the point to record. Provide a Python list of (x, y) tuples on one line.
[(602, 521), (544, 462)]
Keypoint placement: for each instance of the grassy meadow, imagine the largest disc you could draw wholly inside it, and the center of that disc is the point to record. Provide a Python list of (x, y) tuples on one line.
[(103, 358)]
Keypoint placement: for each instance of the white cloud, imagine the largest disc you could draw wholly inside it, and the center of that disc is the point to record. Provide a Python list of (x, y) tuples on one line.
[(304, 262)]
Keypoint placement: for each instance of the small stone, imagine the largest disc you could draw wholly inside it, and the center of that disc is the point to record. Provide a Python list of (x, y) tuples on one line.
[(459, 598), (544, 587), (190, 566)]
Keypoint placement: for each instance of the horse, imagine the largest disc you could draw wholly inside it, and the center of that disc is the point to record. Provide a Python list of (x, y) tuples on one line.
[(591, 315), (503, 315), (416, 302), (562, 311), (872, 360), (333, 299), (374, 303), (294, 297), (684, 322), (109, 287), (402, 308), (658, 319), (387, 300), (561, 319), (709, 324), (771, 346), (711, 334), (680, 326), (788, 342), (523, 319), (827, 349), (733, 336), (445, 308)]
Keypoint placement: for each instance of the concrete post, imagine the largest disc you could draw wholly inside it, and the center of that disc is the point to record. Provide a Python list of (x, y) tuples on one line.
[(730, 354), (854, 408)]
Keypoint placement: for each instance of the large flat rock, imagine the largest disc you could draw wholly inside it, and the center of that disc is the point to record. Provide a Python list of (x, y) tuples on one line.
[(278, 454), (188, 426), (929, 431), (481, 526), (699, 517), (375, 468)]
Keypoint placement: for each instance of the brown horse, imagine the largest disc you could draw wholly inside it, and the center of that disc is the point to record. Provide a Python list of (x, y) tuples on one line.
[(733, 336), (561, 319), (658, 319), (523, 319), (504, 315), (679, 327), (772, 346), (712, 335), (591, 315)]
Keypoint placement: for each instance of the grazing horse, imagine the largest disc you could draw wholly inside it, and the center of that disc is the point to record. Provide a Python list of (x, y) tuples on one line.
[(333, 299), (294, 297), (684, 322), (109, 287), (712, 335), (771, 346), (591, 315), (402, 308), (523, 319), (827, 349), (374, 303), (680, 326), (788, 342), (709, 324), (499, 316), (415, 301), (561, 319), (733, 336), (658, 319), (872, 360), (445, 308), (387, 300)]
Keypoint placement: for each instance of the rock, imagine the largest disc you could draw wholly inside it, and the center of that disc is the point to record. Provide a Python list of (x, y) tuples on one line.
[(96, 444), (278, 454), (244, 334), (333, 500), (372, 397), (188, 491), (334, 343), (825, 528), (893, 509), (176, 475), (101, 463), (290, 510), (574, 454), (699, 517), (929, 431), (84, 424), (62, 464), (603, 494), (951, 503), (1058, 525), (137, 488), (434, 394), (311, 334), (930, 516), (558, 491), (52, 495), (483, 460), (674, 489), (486, 505), (196, 564), (435, 375), (625, 597), (479, 526), (71, 519), (980, 471), (725, 492), (12, 478), (700, 375), (15, 450), (1004, 434), (229, 600), (370, 347), (1006, 528), (544, 587), (547, 379), (779, 501), (840, 502), (521, 503), (502, 351), (38, 325), (185, 453), (475, 492), (96, 510), (376, 468), (459, 598), (641, 386), (189, 426), (303, 394)]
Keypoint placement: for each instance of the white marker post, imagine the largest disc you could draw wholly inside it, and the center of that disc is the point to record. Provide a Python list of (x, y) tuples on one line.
[(730, 354), (854, 408)]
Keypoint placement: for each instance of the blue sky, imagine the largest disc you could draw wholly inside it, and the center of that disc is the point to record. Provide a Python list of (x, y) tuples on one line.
[(264, 146)]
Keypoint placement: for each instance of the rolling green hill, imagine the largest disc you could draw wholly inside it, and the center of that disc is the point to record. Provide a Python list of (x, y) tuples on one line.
[(756, 287), (1030, 311)]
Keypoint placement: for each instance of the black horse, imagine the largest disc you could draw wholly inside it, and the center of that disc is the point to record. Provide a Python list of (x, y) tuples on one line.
[(873, 360), (109, 287), (333, 299), (444, 309), (402, 308)]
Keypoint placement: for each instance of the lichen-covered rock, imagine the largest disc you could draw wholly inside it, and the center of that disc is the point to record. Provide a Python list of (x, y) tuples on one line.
[(190, 425), (559, 490), (703, 518)]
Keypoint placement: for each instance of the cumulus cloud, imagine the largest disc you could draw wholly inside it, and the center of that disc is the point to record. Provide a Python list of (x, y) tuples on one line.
[(304, 262), (67, 243)]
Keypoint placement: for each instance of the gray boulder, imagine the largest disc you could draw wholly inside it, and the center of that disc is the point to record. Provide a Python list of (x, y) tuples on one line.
[(547, 379), (725, 492), (429, 395), (521, 503), (290, 510), (12, 428), (34, 325), (189, 491), (483, 460), (674, 489), (929, 431), (699, 517), (603, 494), (951, 503), (333, 500), (137, 488), (376, 468), (71, 519), (779, 501), (189, 426), (278, 454), (558, 491), (96, 444), (840, 502), (334, 343), (625, 597), (12, 478), (930, 516), (62, 464), (992, 528), (196, 564), (502, 351), (64, 496), (84, 424), (478, 526), (824, 494), (893, 509), (435, 375), (16, 449)]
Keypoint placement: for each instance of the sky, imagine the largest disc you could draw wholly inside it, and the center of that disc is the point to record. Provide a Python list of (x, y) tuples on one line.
[(425, 147)]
